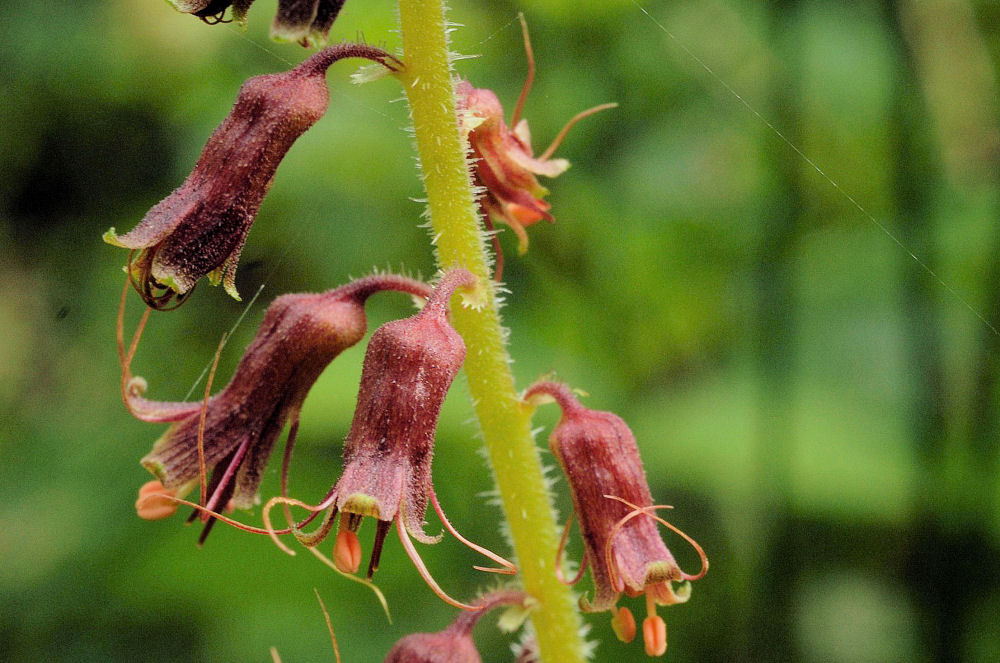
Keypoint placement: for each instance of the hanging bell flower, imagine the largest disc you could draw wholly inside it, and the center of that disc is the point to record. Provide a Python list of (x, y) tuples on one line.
[(408, 368), (612, 501), (200, 228)]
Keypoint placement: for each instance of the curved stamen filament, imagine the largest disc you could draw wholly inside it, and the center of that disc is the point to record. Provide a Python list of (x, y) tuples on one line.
[(266, 515), (530, 77), (559, 556), (411, 552), (649, 511), (551, 149), (213, 514), (508, 567), (202, 472)]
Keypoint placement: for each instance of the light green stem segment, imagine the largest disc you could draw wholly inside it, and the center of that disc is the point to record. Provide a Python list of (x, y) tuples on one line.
[(506, 424)]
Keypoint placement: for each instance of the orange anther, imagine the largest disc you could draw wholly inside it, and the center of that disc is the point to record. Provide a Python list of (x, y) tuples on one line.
[(654, 635), (623, 624), (151, 507), (347, 551)]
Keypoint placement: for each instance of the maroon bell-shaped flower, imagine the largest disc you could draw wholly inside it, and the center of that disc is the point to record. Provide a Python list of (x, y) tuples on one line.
[(408, 368), (233, 433), (454, 644), (613, 504), (200, 228)]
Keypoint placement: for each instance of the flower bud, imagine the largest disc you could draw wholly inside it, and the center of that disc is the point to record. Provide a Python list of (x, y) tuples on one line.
[(454, 644), (200, 228)]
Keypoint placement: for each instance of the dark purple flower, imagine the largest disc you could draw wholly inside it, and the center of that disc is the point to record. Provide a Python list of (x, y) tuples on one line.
[(200, 228), (299, 336), (305, 21)]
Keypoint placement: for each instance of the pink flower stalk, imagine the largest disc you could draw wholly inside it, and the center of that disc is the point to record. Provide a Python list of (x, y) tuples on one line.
[(408, 368), (200, 228), (454, 644), (504, 164), (233, 432), (612, 501)]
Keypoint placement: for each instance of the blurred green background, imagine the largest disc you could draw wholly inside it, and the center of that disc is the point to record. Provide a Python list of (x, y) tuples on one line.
[(820, 406)]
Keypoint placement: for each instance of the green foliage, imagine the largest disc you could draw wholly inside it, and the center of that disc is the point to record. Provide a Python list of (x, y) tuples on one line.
[(820, 409)]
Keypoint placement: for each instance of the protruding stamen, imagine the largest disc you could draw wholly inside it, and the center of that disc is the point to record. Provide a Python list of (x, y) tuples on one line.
[(650, 511), (623, 624), (347, 550), (424, 573), (654, 635), (154, 502), (381, 531), (508, 567), (530, 78), (551, 149)]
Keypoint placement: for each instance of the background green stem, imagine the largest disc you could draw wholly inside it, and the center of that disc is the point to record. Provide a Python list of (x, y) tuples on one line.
[(505, 423)]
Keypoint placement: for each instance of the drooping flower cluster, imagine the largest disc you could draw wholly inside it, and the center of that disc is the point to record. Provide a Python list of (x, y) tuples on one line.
[(223, 443), (409, 367), (200, 228), (612, 501), (233, 432)]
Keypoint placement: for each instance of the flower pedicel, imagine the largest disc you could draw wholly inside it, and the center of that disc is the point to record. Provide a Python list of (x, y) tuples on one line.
[(454, 644), (200, 228), (612, 501), (233, 432), (408, 368)]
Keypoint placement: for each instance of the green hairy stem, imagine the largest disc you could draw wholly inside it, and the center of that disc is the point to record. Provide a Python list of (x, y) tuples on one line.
[(505, 422)]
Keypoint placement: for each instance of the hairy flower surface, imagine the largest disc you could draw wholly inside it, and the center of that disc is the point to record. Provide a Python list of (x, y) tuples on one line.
[(454, 644), (408, 368), (299, 336), (504, 164), (615, 509), (200, 228)]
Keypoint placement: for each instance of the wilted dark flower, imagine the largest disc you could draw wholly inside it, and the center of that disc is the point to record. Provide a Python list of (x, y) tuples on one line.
[(454, 644), (305, 21), (213, 11), (612, 501), (504, 163), (200, 228), (234, 431), (409, 367)]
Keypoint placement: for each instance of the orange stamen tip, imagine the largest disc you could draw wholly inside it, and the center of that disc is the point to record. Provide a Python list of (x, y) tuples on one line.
[(150, 506), (347, 551), (623, 624), (654, 635)]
